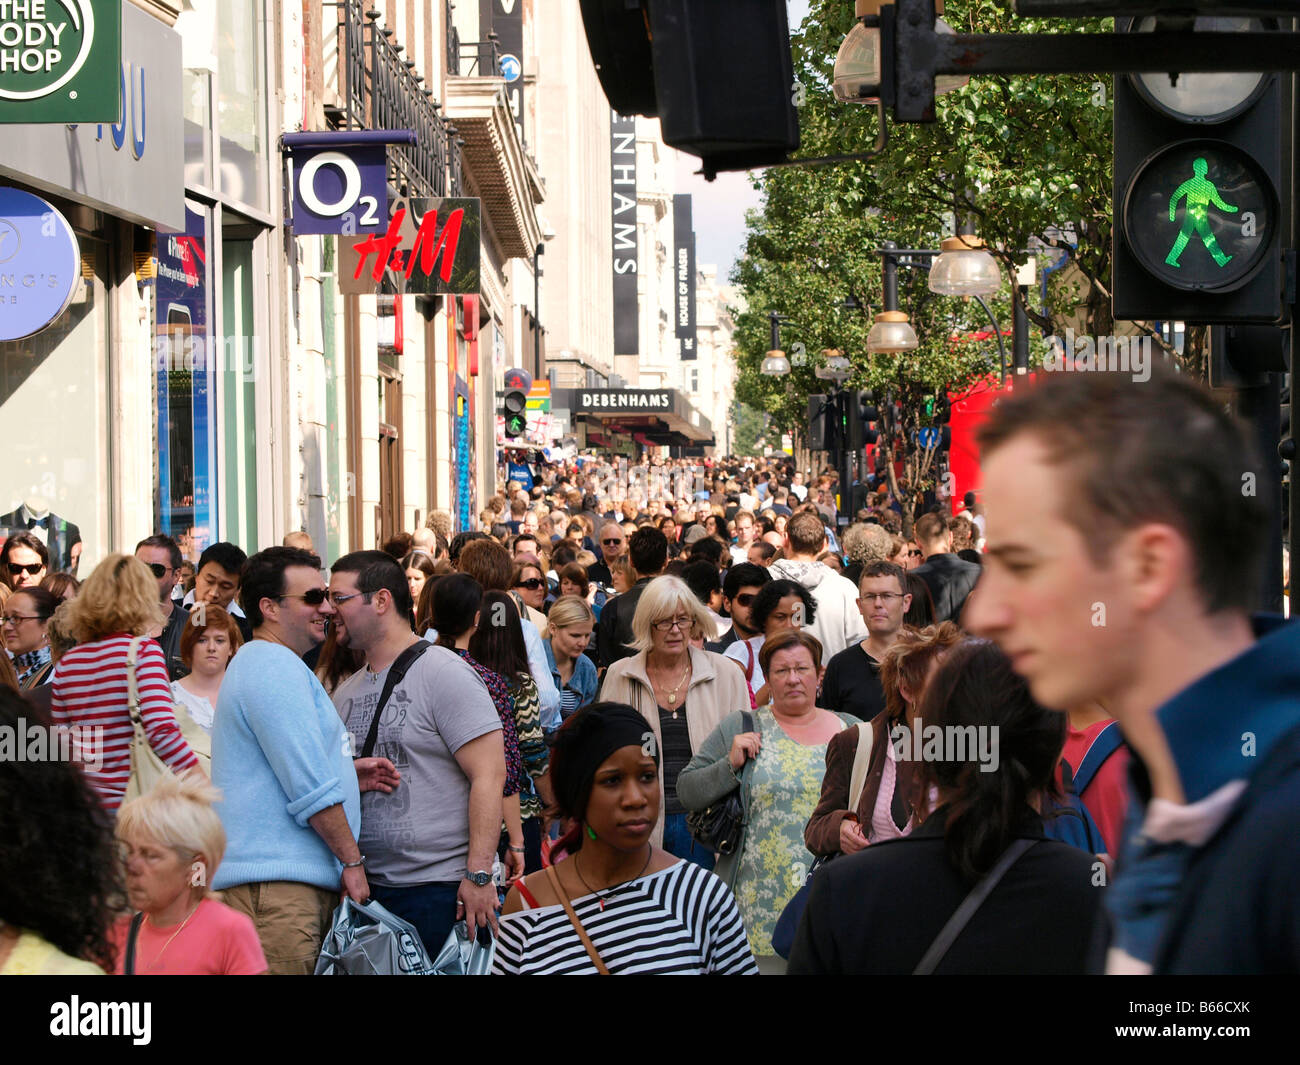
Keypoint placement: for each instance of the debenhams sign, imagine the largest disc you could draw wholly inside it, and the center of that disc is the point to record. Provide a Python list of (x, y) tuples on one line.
[(625, 399)]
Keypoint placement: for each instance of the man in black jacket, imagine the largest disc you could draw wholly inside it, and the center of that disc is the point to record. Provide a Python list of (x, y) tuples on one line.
[(742, 583), (648, 553), (949, 578), (1123, 563)]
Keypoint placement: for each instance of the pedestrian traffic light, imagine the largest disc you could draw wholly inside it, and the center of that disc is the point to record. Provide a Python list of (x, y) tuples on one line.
[(817, 423), (683, 60), (514, 403), (1200, 166), (867, 416)]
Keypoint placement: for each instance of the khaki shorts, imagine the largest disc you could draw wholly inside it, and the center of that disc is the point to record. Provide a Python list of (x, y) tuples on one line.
[(292, 920)]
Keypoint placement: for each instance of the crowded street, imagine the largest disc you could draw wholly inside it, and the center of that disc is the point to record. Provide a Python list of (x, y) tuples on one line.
[(488, 497)]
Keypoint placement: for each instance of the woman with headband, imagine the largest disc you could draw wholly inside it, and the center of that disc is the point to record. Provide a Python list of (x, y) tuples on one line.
[(572, 917)]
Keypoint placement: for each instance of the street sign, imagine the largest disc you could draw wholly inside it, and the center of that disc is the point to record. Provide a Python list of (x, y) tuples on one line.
[(510, 68), (1200, 215), (339, 187), (539, 396), (60, 60)]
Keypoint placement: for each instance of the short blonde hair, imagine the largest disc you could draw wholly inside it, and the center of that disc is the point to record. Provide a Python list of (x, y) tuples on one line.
[(177, 813), (567, 611), (662, 598), (120, 595)]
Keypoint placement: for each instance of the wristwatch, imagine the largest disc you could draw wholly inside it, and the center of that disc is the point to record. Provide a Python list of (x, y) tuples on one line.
[(479, 879)]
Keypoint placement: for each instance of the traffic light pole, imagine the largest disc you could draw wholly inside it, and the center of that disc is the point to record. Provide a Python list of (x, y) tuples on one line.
[(921, 53)]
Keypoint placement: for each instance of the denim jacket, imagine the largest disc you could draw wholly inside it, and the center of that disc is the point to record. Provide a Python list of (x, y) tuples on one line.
[(583, 681)]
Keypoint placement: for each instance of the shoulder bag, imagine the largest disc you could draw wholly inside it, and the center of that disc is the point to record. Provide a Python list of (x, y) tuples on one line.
[(587, 944), (396, 672), (718, 825), (146, 767)]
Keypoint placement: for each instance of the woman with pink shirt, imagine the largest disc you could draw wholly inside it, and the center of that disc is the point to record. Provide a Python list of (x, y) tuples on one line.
[(884, 808)]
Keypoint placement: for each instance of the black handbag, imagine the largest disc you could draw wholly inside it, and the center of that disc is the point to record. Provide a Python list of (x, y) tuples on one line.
[(718, 825)]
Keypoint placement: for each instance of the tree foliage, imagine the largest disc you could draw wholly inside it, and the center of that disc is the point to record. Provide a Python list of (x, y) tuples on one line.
[(1035, 153)]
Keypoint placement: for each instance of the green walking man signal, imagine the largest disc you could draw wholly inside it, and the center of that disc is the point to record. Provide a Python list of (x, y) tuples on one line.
[(1200, 193)]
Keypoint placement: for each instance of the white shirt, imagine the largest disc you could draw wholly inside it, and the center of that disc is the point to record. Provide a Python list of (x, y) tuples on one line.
[(199, 708), (232, 608), (745, 652)]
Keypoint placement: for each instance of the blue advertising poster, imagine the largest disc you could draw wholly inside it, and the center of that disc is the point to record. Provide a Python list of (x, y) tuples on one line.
[(463, 460), (186, 370)]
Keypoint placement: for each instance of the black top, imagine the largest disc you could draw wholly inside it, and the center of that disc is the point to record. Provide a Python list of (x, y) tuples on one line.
[(720, 645), (598, 573), (852, 684), (614, 630), (877, 912), (950, 580), (674, 753)]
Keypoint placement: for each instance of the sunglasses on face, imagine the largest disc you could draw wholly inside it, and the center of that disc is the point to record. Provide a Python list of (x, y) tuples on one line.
[(614, 542), (312, 598), (745, 598), (532, 584), (158, 569), (16, 568)]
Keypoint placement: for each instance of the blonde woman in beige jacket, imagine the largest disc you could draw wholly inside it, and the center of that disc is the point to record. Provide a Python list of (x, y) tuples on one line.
[(684, 692)]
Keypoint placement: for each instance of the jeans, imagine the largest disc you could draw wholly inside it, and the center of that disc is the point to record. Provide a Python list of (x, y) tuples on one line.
[(678, 841), (431, 908)]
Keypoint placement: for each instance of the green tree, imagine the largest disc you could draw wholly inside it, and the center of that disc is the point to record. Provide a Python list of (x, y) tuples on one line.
[(1035, 152), (749, 427)]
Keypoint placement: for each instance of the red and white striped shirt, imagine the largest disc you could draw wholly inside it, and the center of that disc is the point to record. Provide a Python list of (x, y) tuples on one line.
[(90, 691)]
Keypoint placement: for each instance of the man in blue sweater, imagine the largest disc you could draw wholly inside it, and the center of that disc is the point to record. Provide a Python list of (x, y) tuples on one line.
[(1125, 531), (291, 804)]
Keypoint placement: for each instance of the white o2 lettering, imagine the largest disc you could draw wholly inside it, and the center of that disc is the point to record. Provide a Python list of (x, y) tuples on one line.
[(351, 185), (371, 215)]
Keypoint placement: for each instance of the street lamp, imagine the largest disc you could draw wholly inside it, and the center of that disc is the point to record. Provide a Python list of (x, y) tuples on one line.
[(891, 332), (775, 364), (859, 73), (964, 268)]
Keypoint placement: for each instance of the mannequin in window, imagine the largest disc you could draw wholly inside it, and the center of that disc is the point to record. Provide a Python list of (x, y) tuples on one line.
[(60, 536)]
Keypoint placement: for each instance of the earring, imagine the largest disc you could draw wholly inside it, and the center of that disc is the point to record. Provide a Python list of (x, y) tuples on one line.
[(590, 833)]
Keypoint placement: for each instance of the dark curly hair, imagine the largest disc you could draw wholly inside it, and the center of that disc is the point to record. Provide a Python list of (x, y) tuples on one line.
[(769, 598), (62, 877)]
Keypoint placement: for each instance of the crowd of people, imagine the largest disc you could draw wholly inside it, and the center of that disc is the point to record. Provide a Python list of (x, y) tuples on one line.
[(687, 719)]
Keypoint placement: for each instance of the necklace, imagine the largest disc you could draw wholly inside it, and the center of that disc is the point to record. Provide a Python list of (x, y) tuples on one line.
[(672, 692), (602, 898), (173, 936)]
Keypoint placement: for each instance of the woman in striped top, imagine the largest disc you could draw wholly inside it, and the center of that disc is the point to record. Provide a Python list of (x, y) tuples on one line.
[(118, 602), (616, 904)]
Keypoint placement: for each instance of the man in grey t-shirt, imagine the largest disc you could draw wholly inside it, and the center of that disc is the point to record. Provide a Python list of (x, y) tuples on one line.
[(430, 836)]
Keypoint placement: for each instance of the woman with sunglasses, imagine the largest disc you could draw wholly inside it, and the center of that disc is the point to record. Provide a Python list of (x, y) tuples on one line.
[(24, 561), (528, 583), (24, 628), (682, 690)]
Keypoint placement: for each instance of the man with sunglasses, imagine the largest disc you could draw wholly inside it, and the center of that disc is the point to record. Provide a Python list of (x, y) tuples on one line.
[(291, 794), (162, 555), (743, 582), (852, 682), (613, 546)]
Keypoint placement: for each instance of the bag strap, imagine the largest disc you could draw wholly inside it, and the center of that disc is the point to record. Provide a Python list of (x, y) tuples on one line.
[(749, 669), (396, 672), (133, 680), (592, 952), (128, 968), (861, 764), (972, 902), (1107, 742)]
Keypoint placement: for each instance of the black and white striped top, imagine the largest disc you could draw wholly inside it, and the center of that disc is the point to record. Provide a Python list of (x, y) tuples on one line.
[(682, 920)]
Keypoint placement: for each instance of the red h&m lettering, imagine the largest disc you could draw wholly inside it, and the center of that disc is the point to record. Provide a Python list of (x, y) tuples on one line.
[(429, 244)]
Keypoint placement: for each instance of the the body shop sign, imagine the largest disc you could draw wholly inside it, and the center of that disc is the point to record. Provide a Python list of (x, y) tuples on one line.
[(40, 263), (59, 60)]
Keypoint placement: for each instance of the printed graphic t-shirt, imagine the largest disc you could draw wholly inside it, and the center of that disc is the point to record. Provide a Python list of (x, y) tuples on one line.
[(419, 833)]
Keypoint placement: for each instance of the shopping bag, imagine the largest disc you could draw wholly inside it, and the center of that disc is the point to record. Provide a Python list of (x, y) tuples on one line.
[(367, 940), (463, 955)]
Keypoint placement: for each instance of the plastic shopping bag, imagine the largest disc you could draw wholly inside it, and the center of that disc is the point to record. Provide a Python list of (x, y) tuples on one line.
[(462, 955), (367, 940)]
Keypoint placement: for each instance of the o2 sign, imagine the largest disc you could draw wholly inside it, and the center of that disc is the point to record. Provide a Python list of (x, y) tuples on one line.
[(339, 188)]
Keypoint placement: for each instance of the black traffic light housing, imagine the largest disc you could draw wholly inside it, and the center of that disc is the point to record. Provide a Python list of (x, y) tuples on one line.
[(817, 423), (1226, 177), (720, 77), (514, 401)]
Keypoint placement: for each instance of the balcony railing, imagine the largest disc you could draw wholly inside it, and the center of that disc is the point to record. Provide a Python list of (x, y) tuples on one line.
[(453, 43), (481, 59), (380, 89)]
